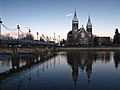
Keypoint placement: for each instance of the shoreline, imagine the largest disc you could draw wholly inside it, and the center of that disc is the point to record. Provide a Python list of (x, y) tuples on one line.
[(41, 50), (88, 49)]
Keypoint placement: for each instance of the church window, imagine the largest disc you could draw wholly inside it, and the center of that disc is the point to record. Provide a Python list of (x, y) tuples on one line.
[(83, 35)]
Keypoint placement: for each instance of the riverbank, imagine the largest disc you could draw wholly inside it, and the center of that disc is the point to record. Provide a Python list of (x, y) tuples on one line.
[(26, 50), (52, 49), (88, 48)]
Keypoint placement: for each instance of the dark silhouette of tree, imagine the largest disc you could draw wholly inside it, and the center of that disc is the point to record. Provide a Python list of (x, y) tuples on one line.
[(41, 39), (116, 40), (29, 37), (116, 31)]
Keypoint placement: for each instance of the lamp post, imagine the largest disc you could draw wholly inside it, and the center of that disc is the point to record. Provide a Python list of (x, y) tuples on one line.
[(54, 37), (18, 27), (0, 27), (59, 39), (37, 35), (29, 33)]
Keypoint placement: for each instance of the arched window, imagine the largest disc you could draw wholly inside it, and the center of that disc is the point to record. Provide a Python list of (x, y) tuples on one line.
[(82, 35)]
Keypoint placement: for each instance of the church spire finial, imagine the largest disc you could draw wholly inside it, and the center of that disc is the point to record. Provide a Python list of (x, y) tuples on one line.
[(89, 18), (75, 15)]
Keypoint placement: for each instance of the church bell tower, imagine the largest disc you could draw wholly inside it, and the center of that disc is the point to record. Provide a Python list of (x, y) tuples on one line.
[(75, 23), (89, 27)]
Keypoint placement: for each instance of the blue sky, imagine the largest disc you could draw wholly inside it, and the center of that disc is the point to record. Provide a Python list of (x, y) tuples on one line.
[(49, 16)]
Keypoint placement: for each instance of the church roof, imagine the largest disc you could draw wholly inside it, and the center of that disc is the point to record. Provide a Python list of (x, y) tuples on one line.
[(70, 32), (82, 29)]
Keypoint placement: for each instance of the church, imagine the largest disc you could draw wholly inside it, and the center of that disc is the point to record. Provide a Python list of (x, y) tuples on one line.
[(80, 37)]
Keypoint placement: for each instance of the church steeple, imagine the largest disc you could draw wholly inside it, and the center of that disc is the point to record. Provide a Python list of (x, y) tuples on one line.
[(75, 19), (75, 16), (89, 24), (89, 19), (75, 23)]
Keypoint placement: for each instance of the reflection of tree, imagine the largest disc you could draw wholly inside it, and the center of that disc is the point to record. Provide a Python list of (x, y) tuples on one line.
[(117, 58), (83, 60)]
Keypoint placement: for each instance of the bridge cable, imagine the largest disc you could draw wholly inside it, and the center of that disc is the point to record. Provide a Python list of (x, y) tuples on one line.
[(9, 29)]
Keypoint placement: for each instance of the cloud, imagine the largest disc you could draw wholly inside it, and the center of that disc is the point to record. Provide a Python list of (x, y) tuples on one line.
[(69, 15)]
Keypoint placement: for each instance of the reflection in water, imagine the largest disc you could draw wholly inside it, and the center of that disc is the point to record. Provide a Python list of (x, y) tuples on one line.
[(28, 60), (15, 63), (84, 61), (47, 71), (117, 59)]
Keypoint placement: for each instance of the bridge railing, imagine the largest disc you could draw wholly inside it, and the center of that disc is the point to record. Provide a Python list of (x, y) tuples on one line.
[(26, 42)]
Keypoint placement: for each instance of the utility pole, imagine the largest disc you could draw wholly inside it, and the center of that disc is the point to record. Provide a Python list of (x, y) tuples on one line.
[(0, 28)]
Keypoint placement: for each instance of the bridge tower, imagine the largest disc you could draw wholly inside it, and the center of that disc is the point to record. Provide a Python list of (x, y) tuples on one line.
[(0, 27)]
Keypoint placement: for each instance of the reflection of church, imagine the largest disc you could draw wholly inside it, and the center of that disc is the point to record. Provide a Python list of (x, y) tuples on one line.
[(80, 36), (82, 60)]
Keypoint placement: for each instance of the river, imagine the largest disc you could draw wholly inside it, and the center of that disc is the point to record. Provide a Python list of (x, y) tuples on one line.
[(66, 70)]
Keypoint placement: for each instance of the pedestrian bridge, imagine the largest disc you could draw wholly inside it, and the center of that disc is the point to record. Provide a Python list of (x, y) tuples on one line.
[(23, 42)]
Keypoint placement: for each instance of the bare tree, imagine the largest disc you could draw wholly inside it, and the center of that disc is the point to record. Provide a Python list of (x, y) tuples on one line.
[(29, 37)]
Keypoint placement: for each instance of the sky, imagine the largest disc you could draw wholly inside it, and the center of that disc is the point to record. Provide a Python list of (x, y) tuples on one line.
[(55, 16)]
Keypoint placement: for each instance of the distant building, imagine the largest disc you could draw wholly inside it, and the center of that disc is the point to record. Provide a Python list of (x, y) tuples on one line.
[(102, 41), (116, 40), (80, 36)]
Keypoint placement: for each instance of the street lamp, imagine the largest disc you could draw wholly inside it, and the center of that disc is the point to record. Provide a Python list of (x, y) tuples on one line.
[(37, 35), (0, 27), (18, 27), (54, 37), (29, 33)]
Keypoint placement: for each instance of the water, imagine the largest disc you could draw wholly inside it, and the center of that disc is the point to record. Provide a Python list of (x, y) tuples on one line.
[(73, 70)]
